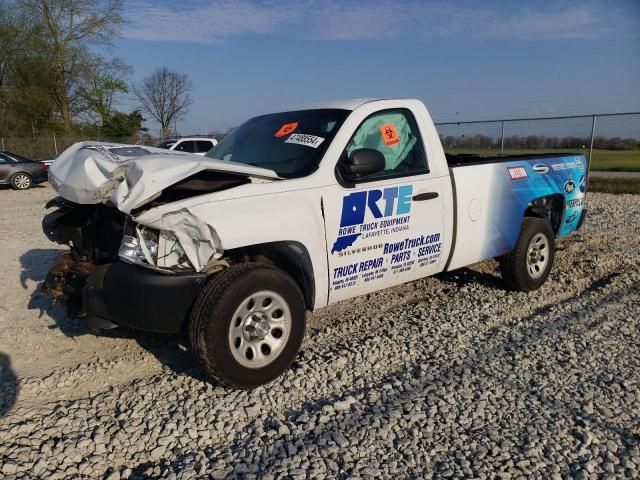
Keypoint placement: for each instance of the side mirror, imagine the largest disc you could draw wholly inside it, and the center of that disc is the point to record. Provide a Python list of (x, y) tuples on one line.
[(363, 162)]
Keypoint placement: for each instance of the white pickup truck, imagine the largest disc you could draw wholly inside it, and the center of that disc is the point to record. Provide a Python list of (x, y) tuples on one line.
[(293, 211)]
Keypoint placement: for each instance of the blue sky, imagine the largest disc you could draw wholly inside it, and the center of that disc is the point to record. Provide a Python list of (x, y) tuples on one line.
[(466, 60)]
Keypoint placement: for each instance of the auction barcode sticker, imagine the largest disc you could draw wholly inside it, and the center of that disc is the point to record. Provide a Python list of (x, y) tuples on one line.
[(304, 139)]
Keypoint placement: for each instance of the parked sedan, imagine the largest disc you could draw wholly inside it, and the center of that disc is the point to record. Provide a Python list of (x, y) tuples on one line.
[(46, 163), (19, 172)]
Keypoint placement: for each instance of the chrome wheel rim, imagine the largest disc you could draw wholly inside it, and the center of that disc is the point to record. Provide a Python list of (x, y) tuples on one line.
[(537, 255), (260, 329), (21, 181)]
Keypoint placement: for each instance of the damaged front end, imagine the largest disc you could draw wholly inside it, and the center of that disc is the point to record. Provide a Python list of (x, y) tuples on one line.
[(93, 234), (100, 280), (118, 270), (66, 281)]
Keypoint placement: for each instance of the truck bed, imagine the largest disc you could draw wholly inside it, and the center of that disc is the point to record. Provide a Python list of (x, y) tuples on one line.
[(492, 194), (465, 159)]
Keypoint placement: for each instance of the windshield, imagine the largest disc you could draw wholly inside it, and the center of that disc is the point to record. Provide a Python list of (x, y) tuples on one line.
[(290, 143)]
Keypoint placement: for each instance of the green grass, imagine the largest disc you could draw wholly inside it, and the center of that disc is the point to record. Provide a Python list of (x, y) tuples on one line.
[(603, 160), (614, 185), (616, 160)]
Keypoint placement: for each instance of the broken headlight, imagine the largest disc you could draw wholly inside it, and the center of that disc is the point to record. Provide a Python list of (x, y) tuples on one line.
[(156, 249), (132, 250)]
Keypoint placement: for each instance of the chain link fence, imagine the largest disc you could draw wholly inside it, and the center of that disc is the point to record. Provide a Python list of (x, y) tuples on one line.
[(46, 146), (610, 141)]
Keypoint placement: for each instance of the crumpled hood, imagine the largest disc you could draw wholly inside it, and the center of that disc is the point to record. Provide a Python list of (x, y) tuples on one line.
[(128, 176)]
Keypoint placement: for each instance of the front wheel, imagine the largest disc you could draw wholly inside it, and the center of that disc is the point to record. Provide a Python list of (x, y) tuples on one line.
[(247, 325), (528, 265), (21, 181)]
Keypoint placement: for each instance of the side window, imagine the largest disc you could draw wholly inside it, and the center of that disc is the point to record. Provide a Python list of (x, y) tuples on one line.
[(204, 146), (394, 133), (186, 146)]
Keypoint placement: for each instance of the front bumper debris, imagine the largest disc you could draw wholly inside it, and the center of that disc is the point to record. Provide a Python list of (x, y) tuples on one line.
[(123, 294), (65, 282)]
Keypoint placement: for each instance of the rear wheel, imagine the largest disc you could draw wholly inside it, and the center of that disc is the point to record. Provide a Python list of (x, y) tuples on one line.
[(528, 265), (247, 325), (21, 181)]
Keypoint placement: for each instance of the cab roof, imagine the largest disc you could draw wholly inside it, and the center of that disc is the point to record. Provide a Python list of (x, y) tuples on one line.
[(346, 104)]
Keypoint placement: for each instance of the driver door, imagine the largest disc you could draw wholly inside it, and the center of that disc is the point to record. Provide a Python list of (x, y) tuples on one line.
[(385, 228)]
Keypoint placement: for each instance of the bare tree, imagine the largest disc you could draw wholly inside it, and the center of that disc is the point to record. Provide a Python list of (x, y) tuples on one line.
[(165, 96), (71, 26)]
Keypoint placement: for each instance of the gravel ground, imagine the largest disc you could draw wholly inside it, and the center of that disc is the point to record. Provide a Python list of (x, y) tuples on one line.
[(446, 377)]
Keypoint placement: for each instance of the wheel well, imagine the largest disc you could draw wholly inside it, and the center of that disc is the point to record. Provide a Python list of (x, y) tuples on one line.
[(291, 257), (550, 207)]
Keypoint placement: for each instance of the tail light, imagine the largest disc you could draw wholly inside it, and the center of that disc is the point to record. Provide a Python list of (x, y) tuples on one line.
[(43, 165)]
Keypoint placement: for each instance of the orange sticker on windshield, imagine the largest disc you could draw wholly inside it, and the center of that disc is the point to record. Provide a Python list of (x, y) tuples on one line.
[(286, 129), (389, 133)]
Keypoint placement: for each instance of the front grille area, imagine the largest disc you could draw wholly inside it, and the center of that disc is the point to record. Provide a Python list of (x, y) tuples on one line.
[(93, 232)]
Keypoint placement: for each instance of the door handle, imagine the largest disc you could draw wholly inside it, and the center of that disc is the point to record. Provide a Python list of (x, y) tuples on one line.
[(424, 196)]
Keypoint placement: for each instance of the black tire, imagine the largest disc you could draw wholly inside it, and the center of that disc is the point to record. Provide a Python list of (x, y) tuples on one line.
[(515, 270), (21, 181), (213, 314)]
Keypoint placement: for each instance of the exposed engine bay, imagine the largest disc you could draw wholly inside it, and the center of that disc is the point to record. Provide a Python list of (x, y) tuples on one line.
[(93, 233)]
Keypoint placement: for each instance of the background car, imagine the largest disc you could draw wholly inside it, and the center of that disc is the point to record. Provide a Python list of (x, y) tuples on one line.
[(196, 145), (19, 172), (46, 163)]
